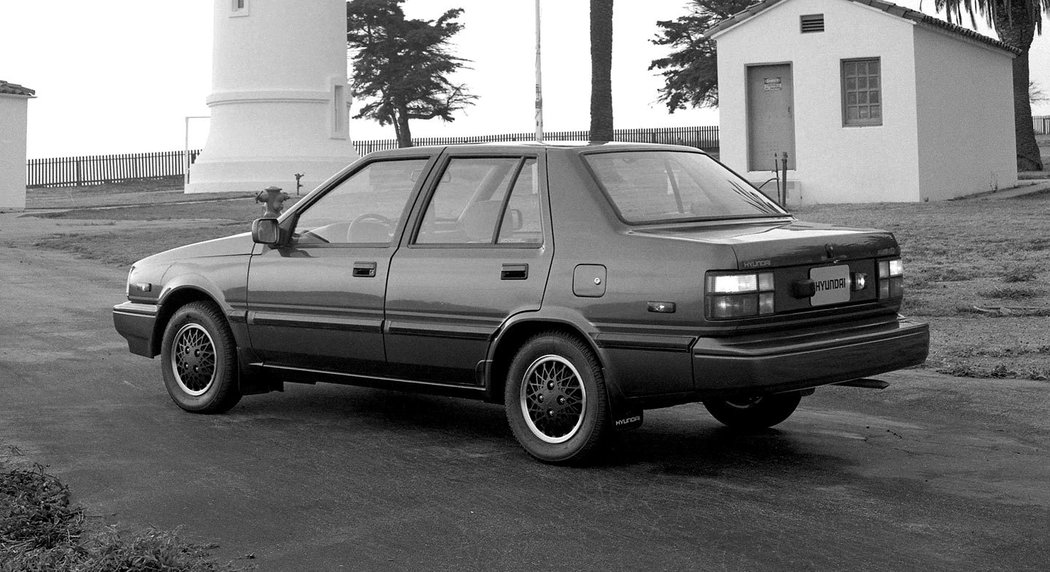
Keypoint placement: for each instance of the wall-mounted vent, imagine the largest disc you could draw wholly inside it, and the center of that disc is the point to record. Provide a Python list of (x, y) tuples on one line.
[(812, 23)]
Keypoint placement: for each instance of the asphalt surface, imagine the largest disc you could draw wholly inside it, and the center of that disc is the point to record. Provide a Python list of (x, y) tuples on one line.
[(935, 472)]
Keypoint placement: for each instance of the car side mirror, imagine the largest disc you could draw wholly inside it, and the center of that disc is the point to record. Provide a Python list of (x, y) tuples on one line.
[(266, 231)]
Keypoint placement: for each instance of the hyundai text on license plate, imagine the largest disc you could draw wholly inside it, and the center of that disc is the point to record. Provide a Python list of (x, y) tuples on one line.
[(832, 285)]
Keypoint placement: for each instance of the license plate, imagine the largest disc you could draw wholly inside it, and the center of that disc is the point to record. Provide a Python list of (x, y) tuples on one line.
[(832, 284)]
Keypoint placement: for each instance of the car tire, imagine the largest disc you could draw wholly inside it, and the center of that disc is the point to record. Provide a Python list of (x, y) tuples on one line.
[(555, 399), (754, 413), (198, 360)]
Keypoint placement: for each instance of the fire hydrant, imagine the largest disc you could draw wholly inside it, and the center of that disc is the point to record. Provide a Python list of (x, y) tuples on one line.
[(274, 199)]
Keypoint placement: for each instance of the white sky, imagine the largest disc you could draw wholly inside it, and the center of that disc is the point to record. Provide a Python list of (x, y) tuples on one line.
[(119, 76)]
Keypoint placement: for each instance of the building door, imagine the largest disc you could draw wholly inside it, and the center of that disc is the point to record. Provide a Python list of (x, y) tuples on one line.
[(770, 116)]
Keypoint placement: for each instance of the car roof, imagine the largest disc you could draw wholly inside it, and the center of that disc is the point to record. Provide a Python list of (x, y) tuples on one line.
[(579, 146)]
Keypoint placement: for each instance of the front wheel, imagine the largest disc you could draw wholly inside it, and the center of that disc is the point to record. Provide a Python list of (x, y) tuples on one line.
[(754, 413), (198, 360), (555, 399)]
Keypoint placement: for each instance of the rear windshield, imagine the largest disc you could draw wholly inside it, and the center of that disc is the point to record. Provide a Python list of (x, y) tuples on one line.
[(667, 186)]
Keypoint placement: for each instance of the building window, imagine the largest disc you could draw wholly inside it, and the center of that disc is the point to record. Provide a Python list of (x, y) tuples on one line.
[(810, 23), (239, 7), (339, 112), (861, 92)]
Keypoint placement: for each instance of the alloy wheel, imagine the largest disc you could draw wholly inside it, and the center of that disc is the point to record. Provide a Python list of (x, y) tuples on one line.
[(553, 399)]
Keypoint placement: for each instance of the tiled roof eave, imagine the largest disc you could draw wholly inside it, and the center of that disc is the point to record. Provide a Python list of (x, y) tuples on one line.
[(7, 88), (892, 9)]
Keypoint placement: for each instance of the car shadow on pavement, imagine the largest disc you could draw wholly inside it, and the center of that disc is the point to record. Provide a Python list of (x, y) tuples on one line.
[(713, 451), (679, 441)]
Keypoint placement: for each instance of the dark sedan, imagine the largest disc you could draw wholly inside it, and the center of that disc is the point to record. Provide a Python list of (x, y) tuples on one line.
[(576, 284)]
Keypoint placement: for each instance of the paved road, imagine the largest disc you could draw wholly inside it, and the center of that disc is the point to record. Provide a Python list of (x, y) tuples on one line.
[(935, 472)]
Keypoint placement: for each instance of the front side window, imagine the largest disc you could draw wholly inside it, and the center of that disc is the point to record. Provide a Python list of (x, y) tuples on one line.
[(492, 200), (669, 186), (364, 209), (861, 92)]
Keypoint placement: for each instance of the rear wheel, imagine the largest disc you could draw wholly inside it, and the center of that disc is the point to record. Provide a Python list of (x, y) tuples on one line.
[(198, 360), (555, 399), (754, 413)]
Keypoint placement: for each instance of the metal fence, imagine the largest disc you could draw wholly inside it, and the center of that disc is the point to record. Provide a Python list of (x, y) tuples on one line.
[(703, 137), (98, 169), (1041, 125)]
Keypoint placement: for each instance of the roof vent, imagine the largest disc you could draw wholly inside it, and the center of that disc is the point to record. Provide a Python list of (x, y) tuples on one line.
[(812, 23)]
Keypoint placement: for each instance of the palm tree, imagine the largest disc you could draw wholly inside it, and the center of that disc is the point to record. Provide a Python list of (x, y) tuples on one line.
[(601, 70), (1016, 22)]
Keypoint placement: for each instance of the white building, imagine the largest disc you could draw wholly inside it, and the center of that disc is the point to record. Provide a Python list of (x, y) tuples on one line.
[(279, 96), (872, 102), (14, 110)]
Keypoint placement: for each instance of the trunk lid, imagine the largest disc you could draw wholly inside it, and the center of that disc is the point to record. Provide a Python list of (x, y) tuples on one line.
[(802, 257), (788, 243)]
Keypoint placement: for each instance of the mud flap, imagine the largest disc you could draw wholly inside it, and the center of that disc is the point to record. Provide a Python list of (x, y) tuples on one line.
[(624, 415)]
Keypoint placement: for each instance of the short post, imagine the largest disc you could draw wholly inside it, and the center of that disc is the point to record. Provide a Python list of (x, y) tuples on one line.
[(298, 185), (784, 179)]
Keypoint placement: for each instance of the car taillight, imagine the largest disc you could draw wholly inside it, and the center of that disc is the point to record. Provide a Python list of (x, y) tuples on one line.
[(891, 279), (729, 296), (127, 283)]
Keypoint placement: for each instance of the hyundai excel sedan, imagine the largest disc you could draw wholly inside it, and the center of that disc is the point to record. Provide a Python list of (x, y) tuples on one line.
[(576, 284)]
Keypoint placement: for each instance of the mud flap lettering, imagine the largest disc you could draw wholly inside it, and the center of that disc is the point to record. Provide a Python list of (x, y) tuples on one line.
[(627, 420)]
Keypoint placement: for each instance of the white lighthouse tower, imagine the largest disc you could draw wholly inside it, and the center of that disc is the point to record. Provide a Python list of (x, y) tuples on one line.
[(279, 96)]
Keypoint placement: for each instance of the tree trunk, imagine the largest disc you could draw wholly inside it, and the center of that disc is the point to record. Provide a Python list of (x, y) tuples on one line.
[(1028, 158), (1017, 28), (601, 70), (404, 133)]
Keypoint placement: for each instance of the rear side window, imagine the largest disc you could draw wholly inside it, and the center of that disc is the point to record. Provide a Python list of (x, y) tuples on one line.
[(668, 186), (491, 200)]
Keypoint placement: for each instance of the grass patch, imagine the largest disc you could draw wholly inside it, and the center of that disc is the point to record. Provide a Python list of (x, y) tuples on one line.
[(1011, 293), (949, 273), (122, 248), (1036, 244), (242, 208), (41, 530), (1019, 274)]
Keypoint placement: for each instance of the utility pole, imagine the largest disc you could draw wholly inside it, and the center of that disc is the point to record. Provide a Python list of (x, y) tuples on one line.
[(539, 80)]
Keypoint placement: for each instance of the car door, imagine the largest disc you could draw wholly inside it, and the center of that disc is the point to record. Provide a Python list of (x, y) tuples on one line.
[(316, 302), (479, 252)]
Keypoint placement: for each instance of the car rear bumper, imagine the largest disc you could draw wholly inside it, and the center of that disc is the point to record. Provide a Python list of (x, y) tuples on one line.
[(135, 322), (800, 359)]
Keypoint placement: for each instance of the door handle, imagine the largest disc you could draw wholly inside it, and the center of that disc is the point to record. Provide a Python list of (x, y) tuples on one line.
[(364, 270), (514, 272)]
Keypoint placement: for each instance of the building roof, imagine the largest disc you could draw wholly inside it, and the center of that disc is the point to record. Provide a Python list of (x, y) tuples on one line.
[(15, 89), (893, 9)]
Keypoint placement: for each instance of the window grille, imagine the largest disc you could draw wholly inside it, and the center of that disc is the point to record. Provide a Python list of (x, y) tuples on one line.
[(861, 92)]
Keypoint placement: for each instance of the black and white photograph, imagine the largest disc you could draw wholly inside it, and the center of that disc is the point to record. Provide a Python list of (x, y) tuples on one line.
[(524, 285)]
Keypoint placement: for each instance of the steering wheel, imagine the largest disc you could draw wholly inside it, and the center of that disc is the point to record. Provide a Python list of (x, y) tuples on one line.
[(387, 224), (372, 217)]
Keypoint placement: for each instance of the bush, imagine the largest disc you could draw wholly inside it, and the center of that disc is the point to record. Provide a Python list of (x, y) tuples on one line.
[(41, 530)]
